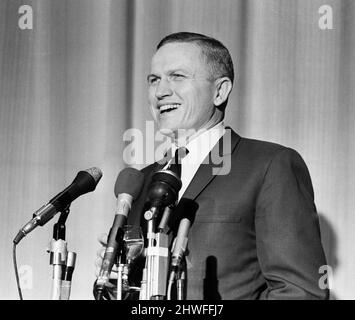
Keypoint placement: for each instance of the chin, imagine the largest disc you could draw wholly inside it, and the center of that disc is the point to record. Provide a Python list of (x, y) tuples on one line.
[(167, 131), (167, 126)]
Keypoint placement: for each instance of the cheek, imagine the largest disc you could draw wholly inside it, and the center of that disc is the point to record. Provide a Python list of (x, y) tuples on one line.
[(200, 102), (151, 96), (152, 103), (153, 112)]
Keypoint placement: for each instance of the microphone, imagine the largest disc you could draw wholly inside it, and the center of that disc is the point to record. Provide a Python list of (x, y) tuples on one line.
[(178, 251), (128, 186), (180, 242), (84, 182), (163, 191)]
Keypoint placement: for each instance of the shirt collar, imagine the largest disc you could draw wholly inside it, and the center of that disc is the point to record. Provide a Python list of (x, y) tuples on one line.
[(200, 146)]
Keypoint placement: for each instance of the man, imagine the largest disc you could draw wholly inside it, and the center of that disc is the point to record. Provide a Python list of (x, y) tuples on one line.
[(255, 233)]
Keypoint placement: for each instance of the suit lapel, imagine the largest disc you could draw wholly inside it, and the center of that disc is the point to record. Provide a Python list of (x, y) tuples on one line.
[(205, 174), (208, 169)]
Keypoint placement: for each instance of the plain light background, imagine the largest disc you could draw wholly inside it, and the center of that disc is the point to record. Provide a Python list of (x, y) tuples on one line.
[(71, 86)]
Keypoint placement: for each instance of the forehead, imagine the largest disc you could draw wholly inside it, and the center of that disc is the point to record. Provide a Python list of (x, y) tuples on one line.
[(176, 55)]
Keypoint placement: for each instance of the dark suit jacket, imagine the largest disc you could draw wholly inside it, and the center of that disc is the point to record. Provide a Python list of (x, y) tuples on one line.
[(256, 232)]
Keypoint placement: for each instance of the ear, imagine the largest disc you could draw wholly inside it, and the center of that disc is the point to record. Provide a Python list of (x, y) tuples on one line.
[(223, 89)]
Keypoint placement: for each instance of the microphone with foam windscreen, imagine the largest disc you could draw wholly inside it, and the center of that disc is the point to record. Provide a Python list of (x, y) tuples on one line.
[(84, 182), (128, 186)]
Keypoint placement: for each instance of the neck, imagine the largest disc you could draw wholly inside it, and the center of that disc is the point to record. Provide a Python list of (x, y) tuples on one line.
[(183, 136)]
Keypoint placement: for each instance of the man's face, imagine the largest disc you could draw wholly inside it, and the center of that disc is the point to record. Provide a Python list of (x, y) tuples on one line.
[(180, 94)]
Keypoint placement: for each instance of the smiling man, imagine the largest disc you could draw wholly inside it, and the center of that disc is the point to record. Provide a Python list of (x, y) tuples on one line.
[(255, 231), (185, 95)]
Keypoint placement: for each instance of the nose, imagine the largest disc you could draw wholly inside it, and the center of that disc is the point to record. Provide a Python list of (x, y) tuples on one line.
[(163, 89)]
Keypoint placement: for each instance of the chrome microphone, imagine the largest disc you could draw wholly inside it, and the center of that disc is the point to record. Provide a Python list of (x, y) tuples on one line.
[(187, 210), (180, 242)]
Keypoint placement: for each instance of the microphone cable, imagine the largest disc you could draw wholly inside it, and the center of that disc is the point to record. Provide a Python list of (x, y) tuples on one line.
[(16, 271)]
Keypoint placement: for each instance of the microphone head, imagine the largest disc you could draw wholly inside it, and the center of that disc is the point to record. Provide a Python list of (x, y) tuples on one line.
[(170, 177), (95, 172), (85, 181), (164, 188), (129, 181)]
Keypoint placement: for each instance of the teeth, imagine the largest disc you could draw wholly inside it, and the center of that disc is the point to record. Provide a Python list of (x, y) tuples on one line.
[(168, 107)]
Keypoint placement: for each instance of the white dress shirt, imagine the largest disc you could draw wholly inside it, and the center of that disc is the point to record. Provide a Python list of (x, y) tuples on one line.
[(198, 149)]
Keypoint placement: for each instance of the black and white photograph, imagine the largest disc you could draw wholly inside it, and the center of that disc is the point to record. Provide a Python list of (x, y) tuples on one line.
[(184, 150)]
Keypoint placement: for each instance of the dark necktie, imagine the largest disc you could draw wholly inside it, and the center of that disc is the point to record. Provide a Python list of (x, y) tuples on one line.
[(175, 164)]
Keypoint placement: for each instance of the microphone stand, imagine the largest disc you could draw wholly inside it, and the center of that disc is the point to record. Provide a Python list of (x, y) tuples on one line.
[(180, 282), (63, 262), (155, 272), (178, 275), (122, 272), (119, 281)]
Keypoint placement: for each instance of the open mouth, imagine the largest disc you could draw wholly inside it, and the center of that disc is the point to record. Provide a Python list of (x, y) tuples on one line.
[(168, 108)]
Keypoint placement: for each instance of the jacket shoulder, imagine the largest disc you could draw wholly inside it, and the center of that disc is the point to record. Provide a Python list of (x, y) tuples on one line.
[(259, 149), (260, 146)]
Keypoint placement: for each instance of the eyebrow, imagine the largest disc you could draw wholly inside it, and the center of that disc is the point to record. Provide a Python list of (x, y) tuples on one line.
[(151, 75)]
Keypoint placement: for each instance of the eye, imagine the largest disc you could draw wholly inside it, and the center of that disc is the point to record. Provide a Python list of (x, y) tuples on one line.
[(177, 77), (153, 80)]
